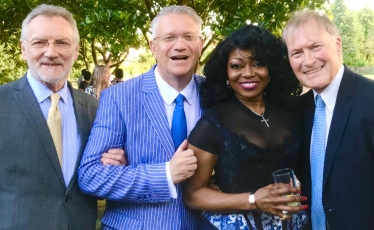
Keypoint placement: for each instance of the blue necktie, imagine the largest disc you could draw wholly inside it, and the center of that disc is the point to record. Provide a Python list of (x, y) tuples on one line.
[(179, 123), (316, 163)]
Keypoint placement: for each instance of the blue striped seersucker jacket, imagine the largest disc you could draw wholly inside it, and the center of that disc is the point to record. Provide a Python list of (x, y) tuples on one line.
[(131, 116)]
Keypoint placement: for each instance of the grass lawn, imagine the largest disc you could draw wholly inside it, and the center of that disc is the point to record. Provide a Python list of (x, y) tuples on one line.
[(100, 212)]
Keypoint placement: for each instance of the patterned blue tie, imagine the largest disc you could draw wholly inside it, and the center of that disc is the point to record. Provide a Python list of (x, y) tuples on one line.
[(316, 163), (179, 123)]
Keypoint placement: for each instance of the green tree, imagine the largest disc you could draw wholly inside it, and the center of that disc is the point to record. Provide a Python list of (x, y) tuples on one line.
[(351, 33), (109, 28), (366, 19), (369, 47)]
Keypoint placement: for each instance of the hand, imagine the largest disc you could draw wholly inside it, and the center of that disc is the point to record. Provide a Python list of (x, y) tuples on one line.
[(114, 157), (213, 183), (183, 164), (270, 199)]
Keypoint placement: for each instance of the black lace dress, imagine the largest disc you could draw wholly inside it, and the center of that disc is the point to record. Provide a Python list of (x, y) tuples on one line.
[(248, 152)]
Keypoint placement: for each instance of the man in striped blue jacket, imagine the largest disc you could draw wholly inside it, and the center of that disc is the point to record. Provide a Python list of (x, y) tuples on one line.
[(137, 116)]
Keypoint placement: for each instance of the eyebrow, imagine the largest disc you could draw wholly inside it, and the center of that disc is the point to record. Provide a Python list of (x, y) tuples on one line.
[(39, 38)]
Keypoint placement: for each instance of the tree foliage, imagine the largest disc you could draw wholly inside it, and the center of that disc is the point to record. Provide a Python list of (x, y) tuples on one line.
[(109, 28), (356, 33)]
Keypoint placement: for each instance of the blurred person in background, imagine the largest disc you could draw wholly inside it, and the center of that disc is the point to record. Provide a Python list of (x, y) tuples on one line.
[(100, 80), (118, 76), (80, 78), (84, 84)]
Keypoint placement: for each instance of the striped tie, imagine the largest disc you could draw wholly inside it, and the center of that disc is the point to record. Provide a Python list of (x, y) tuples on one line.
[(316, 163), (55, 125)]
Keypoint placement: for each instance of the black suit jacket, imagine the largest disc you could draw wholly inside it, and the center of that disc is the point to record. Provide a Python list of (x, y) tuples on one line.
[(33, 194), (348, 176)]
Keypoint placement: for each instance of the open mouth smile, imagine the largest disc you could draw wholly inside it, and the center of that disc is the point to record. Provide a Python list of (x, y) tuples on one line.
[(249, 85), (179, 57)]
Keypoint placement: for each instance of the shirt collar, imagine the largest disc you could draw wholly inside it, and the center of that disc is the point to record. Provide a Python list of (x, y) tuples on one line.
[(42, 92), (329, 94), (168, 93)]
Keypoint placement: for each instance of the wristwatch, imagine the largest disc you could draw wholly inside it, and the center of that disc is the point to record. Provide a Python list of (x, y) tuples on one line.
[(252, 200)]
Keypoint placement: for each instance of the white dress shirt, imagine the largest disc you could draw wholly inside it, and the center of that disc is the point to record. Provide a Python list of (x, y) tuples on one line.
[(191, 109)]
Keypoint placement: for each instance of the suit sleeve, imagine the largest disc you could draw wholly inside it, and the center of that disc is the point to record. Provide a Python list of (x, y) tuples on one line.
[(143, 183)]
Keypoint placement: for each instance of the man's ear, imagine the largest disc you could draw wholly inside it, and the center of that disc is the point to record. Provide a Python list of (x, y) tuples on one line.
[(201, 44), (339, 46), (23, 51), (153, 47), (76, 52)]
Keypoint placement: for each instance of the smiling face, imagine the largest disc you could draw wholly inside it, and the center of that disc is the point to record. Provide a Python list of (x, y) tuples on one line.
[(176, 60), (49, 65), (315, 55), (247, 77)]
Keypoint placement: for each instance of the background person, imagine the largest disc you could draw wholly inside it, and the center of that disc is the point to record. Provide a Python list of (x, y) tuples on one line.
[(118, 76), (338, 159), (81, 78), (100, 80), (86, 80), (246, 135)]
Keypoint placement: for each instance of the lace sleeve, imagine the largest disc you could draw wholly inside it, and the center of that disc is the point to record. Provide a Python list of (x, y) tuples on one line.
[(206, 136)]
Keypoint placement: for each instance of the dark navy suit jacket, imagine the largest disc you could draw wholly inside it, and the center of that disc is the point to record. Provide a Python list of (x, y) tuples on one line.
[(348, 176)]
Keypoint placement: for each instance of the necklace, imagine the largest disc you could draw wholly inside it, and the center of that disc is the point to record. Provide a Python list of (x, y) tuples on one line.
[(262, 116)]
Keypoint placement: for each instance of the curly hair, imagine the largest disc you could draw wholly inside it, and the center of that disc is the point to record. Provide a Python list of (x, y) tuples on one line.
[(267, 49)]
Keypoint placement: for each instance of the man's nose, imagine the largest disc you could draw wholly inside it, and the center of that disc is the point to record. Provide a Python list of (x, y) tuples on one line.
[(51, 51), (180, 43), (309, 58)]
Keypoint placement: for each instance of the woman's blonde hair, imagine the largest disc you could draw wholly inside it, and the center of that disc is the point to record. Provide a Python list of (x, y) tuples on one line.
[(97, 78)]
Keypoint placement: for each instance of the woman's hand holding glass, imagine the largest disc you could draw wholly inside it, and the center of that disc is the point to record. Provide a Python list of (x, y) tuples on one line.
[(272, 199)]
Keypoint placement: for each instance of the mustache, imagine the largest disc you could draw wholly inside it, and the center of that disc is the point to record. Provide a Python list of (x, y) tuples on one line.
[(51, 62)]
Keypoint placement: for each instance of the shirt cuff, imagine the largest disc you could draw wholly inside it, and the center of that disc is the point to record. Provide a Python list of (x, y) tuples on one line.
[(172, 188)]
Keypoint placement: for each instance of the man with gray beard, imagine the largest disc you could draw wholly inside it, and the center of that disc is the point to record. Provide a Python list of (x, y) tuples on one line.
[(44, 128)]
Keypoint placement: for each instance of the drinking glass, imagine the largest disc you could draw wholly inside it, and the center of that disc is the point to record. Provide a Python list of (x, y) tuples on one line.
[(286, 176)]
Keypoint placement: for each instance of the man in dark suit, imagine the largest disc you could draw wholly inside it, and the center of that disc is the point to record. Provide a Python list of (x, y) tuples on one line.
[(38, 181), (338, 159)]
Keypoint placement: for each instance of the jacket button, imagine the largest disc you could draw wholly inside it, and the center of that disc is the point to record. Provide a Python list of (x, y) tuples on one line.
[(67, 198)]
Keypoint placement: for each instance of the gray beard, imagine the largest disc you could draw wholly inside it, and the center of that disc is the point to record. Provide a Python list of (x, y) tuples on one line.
[(48, 79)]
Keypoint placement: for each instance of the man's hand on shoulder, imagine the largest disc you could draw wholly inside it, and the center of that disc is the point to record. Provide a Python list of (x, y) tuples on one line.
[(114, 157), (183, 164)]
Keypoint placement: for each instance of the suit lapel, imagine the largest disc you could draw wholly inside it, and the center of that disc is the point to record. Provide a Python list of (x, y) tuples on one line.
[(153, 106), (308, 121), (83, 127), (26, 99), (308, 126), (339, 120)]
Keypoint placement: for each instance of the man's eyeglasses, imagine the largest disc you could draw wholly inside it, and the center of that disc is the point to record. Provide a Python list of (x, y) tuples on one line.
[(173, 38), (60, 45)]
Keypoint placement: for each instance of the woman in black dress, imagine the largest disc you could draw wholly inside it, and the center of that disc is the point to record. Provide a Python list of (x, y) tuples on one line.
[(250, 130)]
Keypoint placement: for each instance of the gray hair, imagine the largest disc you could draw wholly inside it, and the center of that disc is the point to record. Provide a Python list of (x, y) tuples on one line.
[(175, 10), (302, 17), (50, 11)]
